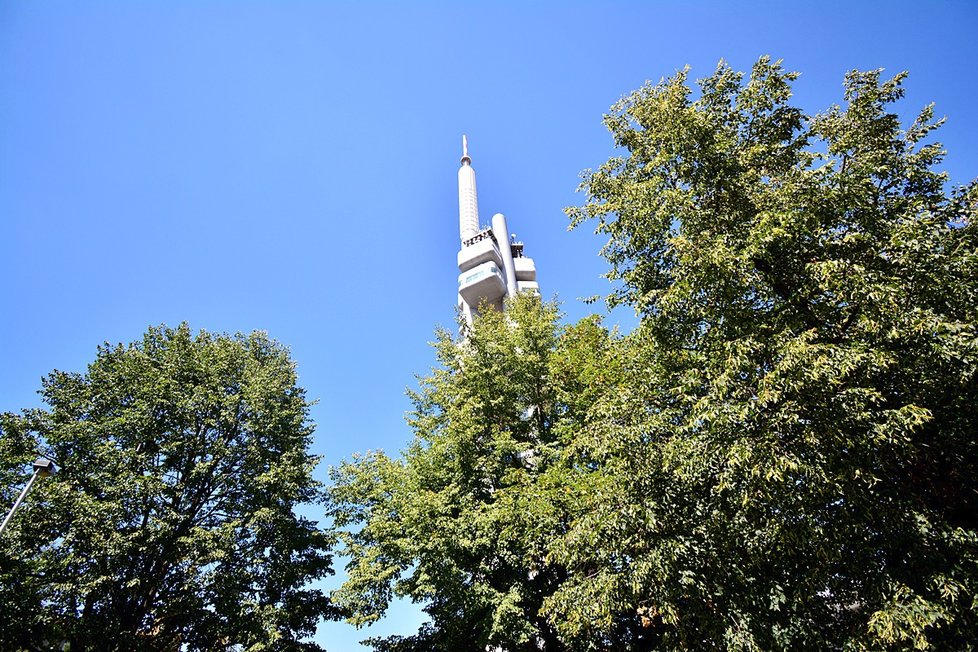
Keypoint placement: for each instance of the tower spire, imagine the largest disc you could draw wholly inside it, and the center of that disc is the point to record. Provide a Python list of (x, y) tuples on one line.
[(468, 203)]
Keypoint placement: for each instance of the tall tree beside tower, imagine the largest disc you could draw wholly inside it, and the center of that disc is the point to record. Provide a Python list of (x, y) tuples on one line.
[(795, 464)]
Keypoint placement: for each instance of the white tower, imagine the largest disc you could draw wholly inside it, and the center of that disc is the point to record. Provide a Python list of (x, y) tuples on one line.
[(491, 262)]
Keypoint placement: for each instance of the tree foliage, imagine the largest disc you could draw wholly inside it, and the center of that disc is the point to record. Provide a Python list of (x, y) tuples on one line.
[(171, 524), (795, 464), (462, 522), (782, 455)]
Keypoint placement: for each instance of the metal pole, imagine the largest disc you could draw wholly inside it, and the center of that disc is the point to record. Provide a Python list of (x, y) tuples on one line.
[(20, 499)]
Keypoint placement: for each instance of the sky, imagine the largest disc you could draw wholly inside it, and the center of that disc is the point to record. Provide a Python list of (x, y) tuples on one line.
[(291, 166)]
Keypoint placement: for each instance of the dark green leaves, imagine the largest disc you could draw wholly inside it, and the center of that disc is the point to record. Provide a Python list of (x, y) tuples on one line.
[(172, 522)]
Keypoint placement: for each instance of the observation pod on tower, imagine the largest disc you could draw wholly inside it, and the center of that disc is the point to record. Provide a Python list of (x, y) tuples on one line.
[(491, 261)]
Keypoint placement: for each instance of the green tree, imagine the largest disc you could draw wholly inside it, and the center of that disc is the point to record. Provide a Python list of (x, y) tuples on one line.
[(462, 521), (791, 462), (172, 523)]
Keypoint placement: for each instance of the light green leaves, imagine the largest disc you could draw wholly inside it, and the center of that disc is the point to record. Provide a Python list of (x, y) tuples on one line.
[(801, 389)]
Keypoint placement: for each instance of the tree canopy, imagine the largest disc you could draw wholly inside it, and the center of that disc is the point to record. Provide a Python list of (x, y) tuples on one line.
[(782, 455), (454, 523), (799, 447), (172, 524)]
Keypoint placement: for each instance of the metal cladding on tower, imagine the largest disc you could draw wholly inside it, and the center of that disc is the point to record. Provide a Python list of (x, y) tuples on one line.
[(491, 262)]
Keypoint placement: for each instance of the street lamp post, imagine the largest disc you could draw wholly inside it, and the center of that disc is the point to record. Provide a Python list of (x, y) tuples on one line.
[(43, 467)]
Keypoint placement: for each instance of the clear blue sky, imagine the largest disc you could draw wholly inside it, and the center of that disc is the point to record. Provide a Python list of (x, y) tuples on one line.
[(290, 166)]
